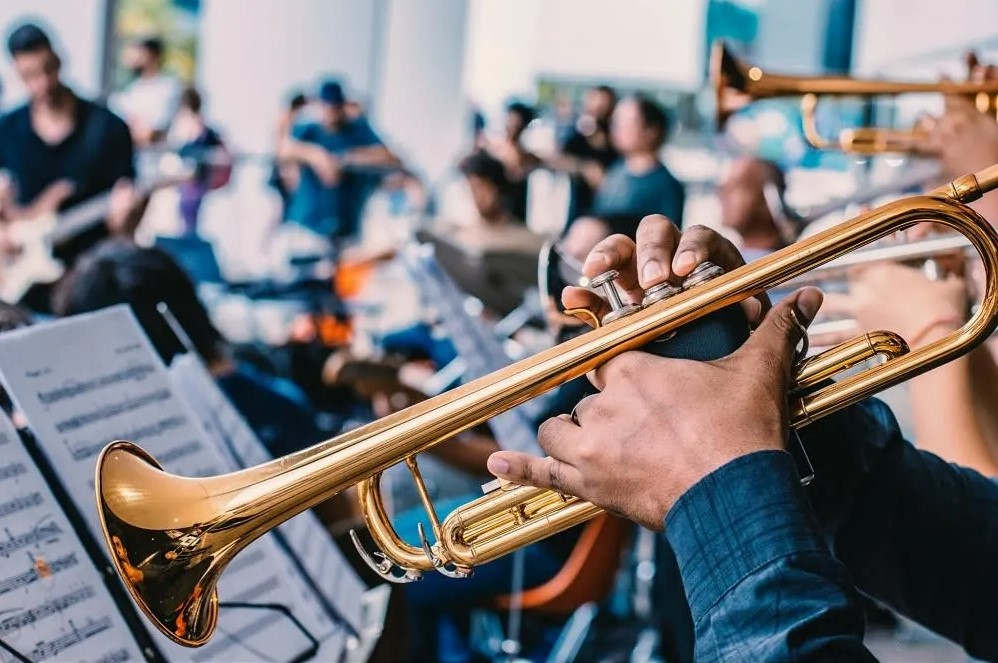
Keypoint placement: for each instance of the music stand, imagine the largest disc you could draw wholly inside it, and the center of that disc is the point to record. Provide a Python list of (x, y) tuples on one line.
[(496, 272)]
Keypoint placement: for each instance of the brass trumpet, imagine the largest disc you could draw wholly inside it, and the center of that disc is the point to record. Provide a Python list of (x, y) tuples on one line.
[(171, 537), (737, 84)]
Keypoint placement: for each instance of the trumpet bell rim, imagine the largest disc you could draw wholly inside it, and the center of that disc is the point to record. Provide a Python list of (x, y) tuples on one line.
[(170, 622)]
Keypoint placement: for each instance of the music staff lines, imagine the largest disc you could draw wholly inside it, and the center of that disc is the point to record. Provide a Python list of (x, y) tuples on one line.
[(256, 591), (34, 574), (89, 450), (31, 537), (248, 559), (12, 470), (20, 503), (50, 607), (210, 652), (109, 411), (116, 656), (45, 650), (135, 373)]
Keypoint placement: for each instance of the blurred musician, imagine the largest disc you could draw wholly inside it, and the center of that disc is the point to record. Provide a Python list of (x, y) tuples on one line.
[(707, 462), (517, 160), (588, 152), (639, 183), (328, 196), (952, 405), (152, 98), (752, 205), (60, 150)]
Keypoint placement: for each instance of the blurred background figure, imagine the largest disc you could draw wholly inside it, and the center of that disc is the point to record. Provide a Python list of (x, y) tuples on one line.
[(202, 145), (587, 150), (518, 161), (150, 100), (752, 205), (639, 183), (333, 154)]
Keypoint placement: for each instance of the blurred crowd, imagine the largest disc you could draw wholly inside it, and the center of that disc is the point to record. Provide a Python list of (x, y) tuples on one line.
[(350, 210)]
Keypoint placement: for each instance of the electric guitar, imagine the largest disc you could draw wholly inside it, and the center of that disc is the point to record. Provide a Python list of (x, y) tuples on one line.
[(33, 240)]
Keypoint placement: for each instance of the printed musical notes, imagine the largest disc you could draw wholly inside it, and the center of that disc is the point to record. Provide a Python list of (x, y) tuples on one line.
[(86, 381), (305, 535), (53, 603)]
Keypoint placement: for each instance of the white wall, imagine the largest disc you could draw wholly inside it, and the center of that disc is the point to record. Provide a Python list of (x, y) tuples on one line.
[(253, 52), (892, 30), (76, 27), (648, 40), (420, 108), (513, 42)]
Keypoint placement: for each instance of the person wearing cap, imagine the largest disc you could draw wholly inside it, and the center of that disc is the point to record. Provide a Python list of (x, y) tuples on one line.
[(335, 154)]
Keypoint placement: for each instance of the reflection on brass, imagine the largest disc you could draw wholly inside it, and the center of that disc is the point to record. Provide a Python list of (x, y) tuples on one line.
[(171, 537), (738, 84)]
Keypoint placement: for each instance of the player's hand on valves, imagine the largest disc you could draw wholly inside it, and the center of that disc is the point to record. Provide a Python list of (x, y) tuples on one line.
[(661, 253), (659, 426)]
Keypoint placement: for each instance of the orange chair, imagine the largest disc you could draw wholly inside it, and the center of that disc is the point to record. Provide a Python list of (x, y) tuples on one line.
[(588, 573)]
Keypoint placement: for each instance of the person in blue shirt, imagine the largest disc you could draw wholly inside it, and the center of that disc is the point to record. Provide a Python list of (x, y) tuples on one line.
[(639, 184), (338, 156), (772, 571)]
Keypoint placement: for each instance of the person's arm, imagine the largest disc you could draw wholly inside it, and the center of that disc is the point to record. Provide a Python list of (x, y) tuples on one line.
[(370, 150), (754, 564), (915, 532)]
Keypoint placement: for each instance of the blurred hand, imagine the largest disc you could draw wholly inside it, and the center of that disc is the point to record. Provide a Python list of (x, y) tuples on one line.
[(964, 139), (661, 254), (52, 197), (659, 426), (122, 204), (327, 167), (901, 299)]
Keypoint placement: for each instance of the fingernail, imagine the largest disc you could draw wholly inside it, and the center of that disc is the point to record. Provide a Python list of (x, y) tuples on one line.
[(685, 262), (498, 465), (651, 271), (598, 259), (807, 305)]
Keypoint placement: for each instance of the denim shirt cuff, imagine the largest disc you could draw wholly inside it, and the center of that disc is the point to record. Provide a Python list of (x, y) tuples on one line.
[(736, 520)]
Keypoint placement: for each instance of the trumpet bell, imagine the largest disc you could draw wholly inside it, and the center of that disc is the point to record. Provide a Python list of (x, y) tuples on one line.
[(167, 562)]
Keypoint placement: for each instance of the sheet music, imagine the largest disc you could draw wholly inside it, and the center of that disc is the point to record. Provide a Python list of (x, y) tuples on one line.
[(53, 602), (85, 381), (476, 345), (305, 534)]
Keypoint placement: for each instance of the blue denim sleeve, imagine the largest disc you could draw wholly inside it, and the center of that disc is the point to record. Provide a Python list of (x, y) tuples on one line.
[(915, 532), (760, 580)]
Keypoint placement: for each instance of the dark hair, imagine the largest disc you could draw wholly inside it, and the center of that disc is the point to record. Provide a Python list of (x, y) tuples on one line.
[(13, 317), (652, 116), (297, 101), (28, 38), (483, 165), (606, 89), (190, 99), (523, 111), (119, 272), (154, 45)]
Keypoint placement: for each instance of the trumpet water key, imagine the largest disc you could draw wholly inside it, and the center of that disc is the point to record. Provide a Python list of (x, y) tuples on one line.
[(171, 537)]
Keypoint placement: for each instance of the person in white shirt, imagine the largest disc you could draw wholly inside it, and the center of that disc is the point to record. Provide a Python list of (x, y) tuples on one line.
[(150, 101)]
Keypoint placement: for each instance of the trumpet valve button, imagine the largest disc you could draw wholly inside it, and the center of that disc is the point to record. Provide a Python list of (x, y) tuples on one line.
[(657, 293), (704, 272), (618, 309)]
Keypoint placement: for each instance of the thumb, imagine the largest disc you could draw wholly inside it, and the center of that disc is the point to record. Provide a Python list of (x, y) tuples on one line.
[(783, 328)]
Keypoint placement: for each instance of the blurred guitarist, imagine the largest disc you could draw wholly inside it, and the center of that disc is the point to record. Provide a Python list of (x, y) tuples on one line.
[(59, 150)]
